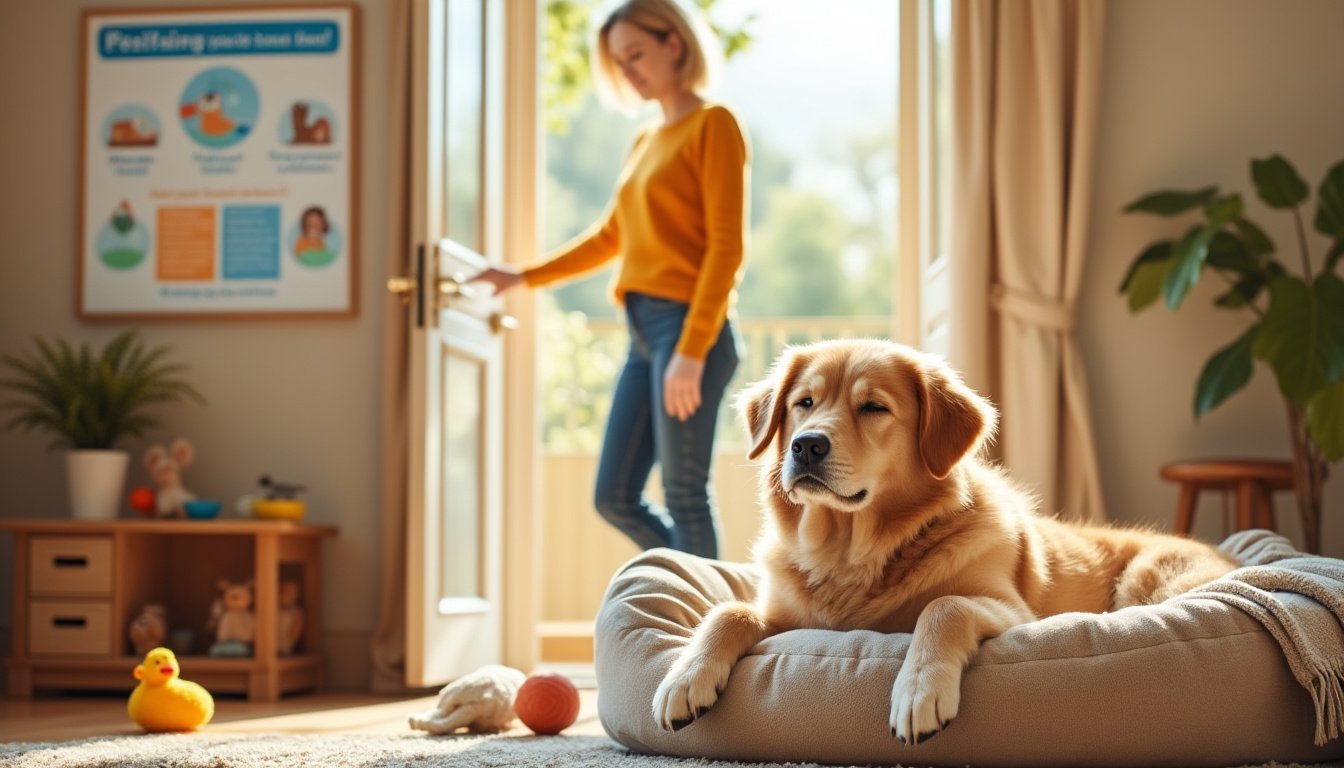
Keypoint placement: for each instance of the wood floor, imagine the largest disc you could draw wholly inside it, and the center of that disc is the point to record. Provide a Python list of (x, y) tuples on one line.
[(69, 717)]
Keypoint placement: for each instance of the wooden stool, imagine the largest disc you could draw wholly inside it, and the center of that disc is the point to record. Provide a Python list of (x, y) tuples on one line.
[(1254, 482)]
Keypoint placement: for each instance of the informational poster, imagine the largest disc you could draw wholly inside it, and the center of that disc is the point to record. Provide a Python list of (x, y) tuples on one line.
[(218, 161)]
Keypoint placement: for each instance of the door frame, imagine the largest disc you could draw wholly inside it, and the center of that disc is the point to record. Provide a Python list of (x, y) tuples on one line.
[(522, 450)]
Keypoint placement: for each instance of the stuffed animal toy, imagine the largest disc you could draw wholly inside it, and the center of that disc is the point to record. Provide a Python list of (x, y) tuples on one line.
[(163, 702), (232, 620), (165, 467), (149, 628), (480, 701)]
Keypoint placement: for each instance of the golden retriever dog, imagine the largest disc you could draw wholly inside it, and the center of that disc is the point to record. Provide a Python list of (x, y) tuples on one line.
[(880, 515)]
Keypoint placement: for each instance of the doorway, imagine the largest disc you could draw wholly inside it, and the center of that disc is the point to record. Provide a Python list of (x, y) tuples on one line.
[(818, 94)]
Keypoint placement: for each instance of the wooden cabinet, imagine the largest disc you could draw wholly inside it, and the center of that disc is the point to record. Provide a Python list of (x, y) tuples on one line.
[(79, 583)]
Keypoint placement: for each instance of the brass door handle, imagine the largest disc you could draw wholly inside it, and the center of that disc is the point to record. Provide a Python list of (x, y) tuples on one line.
[(456, 285), (402, 287), (502, 322), (407, 288)]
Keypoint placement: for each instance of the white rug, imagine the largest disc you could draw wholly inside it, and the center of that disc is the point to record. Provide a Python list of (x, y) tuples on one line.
[(289, 750)]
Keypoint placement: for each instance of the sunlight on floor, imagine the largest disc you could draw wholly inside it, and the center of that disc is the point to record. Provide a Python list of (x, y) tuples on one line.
[(65, 718)]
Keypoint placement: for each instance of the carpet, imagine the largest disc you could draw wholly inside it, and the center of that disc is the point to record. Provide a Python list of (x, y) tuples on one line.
[(288, 750)]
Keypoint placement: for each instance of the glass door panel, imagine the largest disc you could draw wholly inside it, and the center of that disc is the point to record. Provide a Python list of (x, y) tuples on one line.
[(464, 100), (463, 496)]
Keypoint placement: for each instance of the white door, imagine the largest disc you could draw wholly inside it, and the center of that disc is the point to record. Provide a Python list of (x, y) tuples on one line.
[(454, 557), (454, 533)]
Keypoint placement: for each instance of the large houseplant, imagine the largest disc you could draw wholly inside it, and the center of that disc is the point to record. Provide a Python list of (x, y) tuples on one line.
[(90, 402), (1296, 319)]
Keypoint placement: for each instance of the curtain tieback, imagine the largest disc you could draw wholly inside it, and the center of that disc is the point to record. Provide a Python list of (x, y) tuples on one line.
[(1032, 308)]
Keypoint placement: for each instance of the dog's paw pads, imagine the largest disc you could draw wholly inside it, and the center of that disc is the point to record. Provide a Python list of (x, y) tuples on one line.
[(687, 693), (924, 701)]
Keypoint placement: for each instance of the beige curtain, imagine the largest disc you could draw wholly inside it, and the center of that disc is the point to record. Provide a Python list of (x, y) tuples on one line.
[(389, 636), (1026, 76)]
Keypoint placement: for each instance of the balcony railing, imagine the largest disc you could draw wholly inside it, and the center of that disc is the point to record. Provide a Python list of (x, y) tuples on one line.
[(580, 358)]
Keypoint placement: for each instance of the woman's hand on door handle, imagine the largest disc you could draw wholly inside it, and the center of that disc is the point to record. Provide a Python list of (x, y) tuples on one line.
[(502, 278)]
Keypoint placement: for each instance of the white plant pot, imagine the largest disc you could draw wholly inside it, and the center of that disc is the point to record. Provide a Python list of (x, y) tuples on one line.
[(96, 480)]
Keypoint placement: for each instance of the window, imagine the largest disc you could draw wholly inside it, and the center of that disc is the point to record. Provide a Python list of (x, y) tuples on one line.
[(819, 94)]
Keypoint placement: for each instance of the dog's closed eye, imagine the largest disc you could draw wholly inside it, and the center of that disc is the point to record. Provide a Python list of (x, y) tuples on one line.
[(872, 407)]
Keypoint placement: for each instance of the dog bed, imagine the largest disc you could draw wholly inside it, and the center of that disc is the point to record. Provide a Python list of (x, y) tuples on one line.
[(1190, 682)]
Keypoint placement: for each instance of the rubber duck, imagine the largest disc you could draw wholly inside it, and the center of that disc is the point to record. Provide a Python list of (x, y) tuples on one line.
[(162, 702)]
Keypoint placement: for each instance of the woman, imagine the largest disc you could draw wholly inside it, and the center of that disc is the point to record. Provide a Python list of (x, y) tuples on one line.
[(677, 225)]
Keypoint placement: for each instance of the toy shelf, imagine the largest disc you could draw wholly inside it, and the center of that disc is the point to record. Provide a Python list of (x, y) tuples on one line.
[(302, 671), (79, 583)]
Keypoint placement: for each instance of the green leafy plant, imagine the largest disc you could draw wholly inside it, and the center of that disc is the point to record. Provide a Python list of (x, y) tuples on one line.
[(567, 74), (92, 401), (1296, 320)]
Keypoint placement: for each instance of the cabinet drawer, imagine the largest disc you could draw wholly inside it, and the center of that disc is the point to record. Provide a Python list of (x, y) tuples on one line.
[(70, 565), (68, 627)]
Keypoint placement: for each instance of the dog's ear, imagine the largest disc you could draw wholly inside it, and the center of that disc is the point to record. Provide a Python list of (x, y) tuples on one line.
[(954, 421), (762, 404), (754, 405)]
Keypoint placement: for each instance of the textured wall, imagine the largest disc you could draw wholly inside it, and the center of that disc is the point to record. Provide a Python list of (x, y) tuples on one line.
[(1192, 90), (298, 398)]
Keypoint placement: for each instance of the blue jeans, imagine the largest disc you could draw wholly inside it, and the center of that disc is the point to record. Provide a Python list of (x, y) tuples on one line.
[(640, 433)]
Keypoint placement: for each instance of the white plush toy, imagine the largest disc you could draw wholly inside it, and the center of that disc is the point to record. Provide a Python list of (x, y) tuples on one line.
[(165, 467), (480, 701)]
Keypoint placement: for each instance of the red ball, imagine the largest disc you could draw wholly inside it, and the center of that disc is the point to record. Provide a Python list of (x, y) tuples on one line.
[(547, 702), (142, 500)]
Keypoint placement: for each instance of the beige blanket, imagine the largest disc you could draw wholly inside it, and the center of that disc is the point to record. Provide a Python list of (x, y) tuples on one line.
[(1299, 598)]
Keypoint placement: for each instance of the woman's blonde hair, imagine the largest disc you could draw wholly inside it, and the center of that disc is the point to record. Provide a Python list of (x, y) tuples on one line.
[(700, 63)]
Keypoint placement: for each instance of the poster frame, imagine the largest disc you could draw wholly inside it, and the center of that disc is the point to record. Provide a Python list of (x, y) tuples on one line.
[(225, 14)]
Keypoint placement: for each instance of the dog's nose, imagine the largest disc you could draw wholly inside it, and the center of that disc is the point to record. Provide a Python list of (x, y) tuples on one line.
[(810, 447)]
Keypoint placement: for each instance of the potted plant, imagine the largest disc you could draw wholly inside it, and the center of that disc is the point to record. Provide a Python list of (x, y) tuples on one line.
[(1296, 320), (90, 402)]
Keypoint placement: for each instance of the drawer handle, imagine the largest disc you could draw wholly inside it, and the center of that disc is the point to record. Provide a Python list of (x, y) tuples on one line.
[(70, 561), (69, 621)]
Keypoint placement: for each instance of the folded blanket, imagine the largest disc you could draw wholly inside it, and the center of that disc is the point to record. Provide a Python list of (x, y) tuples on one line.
[(1311, 635)]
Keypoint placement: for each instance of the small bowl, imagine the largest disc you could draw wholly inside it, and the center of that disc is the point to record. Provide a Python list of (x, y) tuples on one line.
[(201, 509), (278, 509)]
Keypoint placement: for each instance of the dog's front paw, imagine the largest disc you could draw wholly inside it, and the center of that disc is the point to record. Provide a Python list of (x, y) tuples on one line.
[(691, 687), (923, 700)]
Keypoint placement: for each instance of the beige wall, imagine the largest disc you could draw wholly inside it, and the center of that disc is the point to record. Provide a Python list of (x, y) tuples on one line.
[(295, 398), (1192, 90)]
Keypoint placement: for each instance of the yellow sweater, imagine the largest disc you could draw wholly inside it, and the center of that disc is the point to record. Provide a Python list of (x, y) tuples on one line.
[(678, 221)]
